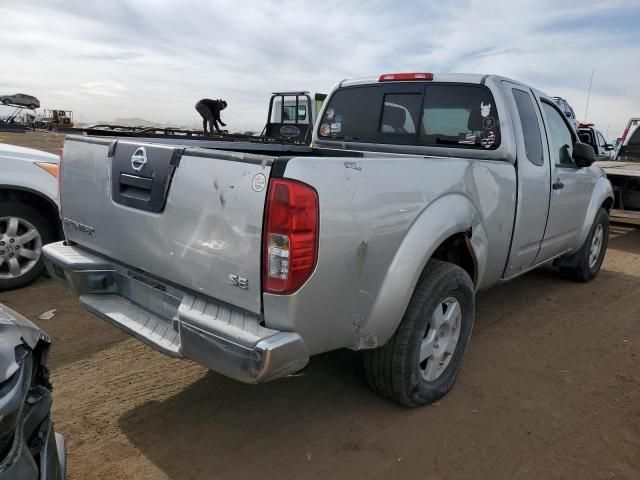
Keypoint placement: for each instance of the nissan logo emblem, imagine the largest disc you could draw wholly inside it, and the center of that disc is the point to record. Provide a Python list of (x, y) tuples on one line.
[(139, 159)]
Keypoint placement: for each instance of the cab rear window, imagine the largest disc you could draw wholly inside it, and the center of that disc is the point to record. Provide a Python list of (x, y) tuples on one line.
[(441, 115)]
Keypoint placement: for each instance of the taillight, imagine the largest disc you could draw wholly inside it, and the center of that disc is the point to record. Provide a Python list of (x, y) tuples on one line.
[(396, 77), (624, 135), (290, 238)]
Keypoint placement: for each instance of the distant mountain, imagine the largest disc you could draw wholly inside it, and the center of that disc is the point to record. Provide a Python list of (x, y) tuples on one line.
[(132, 122)]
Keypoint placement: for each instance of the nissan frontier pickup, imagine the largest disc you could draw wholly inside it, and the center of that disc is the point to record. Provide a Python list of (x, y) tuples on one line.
[(418, 191)]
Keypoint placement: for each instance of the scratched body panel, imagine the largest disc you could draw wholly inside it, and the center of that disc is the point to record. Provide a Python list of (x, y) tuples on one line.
[(367, 207)]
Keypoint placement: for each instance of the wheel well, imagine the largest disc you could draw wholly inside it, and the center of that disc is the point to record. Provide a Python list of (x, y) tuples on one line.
[(456, 250), (608, 204), (45, 206)]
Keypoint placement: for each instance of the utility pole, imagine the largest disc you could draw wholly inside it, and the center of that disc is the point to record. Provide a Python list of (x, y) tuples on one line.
[(588, 96)]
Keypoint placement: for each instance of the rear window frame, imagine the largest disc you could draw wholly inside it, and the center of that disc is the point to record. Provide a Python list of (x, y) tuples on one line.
[(385, 139)]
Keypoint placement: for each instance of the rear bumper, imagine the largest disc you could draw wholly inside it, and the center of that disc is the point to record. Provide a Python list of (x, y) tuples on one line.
[(221, 337)]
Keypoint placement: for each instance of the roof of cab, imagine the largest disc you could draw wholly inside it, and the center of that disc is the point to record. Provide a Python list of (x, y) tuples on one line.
[(437, 77), (477, 78)]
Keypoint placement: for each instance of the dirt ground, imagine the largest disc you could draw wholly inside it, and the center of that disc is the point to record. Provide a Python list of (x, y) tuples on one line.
[(550, 389), (42, 140)]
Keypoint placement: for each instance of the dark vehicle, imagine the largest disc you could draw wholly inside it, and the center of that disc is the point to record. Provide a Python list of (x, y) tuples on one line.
[(591, 136), (630, 142), (29, 447), (21, 100)]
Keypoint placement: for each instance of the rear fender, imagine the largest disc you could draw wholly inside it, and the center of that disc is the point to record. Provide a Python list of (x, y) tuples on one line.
[(448, 215)]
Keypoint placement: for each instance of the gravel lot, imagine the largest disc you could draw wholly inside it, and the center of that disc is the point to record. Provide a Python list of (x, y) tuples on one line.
[(550, 388)]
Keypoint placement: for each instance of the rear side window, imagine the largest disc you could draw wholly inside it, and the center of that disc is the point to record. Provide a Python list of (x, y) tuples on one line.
[(530, 126), (442, 115), (353, 115)]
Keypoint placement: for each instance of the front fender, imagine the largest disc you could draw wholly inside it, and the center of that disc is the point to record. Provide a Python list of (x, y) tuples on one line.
[(448, 215), (602, 190)]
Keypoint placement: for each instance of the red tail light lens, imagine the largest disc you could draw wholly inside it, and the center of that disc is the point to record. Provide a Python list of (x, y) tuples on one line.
[(624, 135), (290, 237)]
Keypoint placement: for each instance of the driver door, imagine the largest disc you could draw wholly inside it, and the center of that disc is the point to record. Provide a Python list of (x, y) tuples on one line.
[(569, 197)]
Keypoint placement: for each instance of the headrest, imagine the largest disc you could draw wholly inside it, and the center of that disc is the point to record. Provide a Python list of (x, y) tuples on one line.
[(474, 123), (394, 116)]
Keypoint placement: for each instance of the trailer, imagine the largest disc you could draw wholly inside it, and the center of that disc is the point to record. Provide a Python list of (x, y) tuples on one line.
[(288, 129)]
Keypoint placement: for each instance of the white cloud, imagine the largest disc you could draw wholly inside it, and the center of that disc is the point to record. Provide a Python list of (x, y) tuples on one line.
[(155, 59), (103, 89)]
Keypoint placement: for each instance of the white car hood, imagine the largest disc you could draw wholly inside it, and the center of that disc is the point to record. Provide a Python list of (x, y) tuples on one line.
[(29, 154)]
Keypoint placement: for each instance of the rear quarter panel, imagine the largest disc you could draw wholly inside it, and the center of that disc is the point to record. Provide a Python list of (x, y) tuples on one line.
[(380, 220)]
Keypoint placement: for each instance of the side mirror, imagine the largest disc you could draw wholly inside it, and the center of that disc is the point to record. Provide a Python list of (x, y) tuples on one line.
[(583, 154), (608, 147)]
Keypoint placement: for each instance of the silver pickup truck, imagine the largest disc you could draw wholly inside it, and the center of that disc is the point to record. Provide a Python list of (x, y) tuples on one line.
[(418, 191)]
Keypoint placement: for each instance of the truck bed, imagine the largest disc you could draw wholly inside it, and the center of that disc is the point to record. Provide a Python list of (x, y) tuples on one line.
[(631, 169)]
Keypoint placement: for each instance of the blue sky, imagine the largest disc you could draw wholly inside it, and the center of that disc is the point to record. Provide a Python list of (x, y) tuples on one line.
[(155, 58)]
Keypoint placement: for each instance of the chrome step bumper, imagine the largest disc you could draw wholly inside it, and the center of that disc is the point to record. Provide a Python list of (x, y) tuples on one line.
[(225, 339)]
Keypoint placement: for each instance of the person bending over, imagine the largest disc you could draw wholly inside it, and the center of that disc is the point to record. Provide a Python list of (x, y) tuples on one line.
[(210, 110)]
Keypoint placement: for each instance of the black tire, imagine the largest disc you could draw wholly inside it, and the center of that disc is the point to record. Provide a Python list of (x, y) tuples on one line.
[(394, 370), (580, 269), (40, 223), (6, 101)]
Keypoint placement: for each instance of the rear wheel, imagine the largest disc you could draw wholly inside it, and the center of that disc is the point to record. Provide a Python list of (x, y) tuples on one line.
[(23, 232), (588, 260), (420, 362)]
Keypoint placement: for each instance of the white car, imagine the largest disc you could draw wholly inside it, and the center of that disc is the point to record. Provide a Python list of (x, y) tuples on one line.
[(29, 215), (21, 100)]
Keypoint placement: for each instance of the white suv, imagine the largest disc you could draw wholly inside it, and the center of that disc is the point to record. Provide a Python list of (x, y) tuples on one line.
[(29, 215)]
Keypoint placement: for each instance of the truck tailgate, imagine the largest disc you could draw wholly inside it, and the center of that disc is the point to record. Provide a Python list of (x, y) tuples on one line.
[(190, 215)]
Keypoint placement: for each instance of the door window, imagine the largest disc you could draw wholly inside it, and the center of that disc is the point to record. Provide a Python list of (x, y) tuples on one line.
[(601, 141), (560, 138)]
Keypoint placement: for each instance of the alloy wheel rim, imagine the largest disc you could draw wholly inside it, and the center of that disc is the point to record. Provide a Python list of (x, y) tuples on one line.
[(596, 246), (20, 247), (441, 339)]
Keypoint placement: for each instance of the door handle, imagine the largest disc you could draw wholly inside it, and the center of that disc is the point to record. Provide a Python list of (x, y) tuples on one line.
[(558, 185)]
